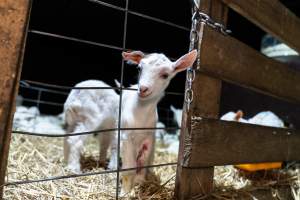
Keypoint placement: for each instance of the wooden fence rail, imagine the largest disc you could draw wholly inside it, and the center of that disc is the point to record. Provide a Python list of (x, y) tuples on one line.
[(221, 143), (273, 17), (226, 58)]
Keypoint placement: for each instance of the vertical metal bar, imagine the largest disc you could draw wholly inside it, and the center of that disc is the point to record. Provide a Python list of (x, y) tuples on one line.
[(120, 100), (13, 25)]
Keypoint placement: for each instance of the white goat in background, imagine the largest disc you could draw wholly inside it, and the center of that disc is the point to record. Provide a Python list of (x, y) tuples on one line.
[(232, 116), (265, 118), (139, 109), (177, 114), (90, 110)]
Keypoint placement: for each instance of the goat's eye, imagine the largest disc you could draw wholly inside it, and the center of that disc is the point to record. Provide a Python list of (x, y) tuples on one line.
[(164, 76)]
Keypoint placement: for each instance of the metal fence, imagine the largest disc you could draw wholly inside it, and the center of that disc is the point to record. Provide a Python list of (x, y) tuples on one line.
[(43, 88)]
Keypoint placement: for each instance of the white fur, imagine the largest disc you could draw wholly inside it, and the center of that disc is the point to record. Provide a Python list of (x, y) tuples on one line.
[(160, 133), (265, 118), (139, 109), (177, 115), (136, 114), (231, 116), (89, 110)]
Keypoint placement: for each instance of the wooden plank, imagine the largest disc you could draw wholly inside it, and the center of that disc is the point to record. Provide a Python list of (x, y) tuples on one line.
[(273, 17), (13, 25), (228, 59), (191, 182), (222, 142)]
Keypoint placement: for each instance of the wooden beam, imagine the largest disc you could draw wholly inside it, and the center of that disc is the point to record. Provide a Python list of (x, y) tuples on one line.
[(271, 16), (221, 143), (191, 182), (229, 59), (13, 27)]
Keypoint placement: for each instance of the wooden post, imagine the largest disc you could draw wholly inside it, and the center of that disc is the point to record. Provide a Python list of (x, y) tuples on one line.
[(14, 16), (207, 90)]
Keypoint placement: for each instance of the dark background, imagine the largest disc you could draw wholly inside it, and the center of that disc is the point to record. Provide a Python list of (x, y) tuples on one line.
[(66, 62)]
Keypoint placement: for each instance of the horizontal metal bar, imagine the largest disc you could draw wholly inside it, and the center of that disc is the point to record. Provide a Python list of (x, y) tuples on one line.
[(85, 174), (28, 82), (75, 39), (158, 20), (61, 87), (90, 132), (43, 102), (44, 90), (107, 5), (141, 15), (84, 41)]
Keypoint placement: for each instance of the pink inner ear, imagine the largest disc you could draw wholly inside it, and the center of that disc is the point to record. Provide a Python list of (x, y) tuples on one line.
[(134, 57), (185, 61)]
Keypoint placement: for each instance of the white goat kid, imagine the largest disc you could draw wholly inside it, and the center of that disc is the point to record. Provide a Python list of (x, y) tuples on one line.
[(177, 115), (89, 110), (160, 133), (265, 118), (231, 116), (139, 109)]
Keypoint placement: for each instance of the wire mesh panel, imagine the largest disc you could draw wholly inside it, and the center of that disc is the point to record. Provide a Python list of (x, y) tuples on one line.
[(44, 95)]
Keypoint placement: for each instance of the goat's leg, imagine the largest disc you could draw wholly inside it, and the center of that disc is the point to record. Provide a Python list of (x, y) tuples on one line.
[(145, 157), (108, 140), (113, 162), (72, 149)]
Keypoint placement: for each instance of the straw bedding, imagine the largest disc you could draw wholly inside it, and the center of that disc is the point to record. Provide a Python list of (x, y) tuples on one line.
[(32, 158)]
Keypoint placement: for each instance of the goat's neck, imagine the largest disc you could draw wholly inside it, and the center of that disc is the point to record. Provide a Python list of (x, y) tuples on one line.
[(145, 106), (144, 112)]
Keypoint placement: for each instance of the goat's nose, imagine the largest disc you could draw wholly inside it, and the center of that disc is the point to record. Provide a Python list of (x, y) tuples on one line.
[(143, 89)]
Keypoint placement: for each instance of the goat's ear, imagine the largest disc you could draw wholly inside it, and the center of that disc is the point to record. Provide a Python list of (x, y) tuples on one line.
[(238, 115), (133, 57), (185, 61)]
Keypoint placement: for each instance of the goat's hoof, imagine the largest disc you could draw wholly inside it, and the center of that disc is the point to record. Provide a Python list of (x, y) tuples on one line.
[(112, 166), (123, 193), (74, 169)]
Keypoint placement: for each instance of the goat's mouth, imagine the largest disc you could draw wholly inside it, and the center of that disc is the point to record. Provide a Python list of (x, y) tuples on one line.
[(144, 95)]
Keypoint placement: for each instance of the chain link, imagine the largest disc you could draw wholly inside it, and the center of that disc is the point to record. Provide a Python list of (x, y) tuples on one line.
[(197, 18), (190, 76), (210, 22)]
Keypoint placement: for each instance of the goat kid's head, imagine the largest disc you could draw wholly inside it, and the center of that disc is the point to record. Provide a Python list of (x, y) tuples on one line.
[(156, 71)]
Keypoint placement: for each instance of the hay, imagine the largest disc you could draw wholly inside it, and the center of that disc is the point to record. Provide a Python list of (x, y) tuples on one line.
[(39, 157), (231, 183)]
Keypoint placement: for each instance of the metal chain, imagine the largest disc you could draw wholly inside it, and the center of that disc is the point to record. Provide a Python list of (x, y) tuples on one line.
[(190, 76), (197, 18), (210, 22)]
